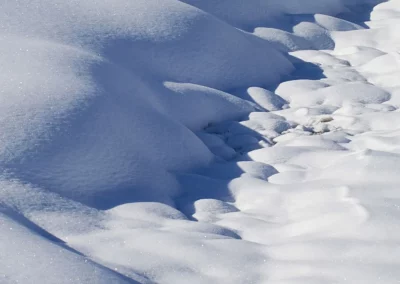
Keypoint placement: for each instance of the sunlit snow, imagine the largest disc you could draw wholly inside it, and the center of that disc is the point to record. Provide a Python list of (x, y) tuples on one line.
[(212, 141)]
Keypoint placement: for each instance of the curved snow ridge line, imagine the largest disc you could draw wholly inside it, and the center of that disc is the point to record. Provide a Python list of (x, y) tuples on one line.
[(98, 119), (239, 195), (41, 249), (340, 220), (289, 26)]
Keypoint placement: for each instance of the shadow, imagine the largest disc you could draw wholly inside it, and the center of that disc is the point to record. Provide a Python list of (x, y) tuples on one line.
[(201, 187), (236, 128), (21, 219), (360, 13), (25, 222), (216, 185), (357, 14), (304, 70), (194, 186)]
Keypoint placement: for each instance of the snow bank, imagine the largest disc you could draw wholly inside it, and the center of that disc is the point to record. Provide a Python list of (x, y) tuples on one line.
[(166, 39), (113, 112), (38, 256), (99, 101), (99, 98)]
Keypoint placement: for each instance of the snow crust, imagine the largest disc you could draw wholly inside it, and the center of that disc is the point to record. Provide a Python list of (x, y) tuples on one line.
[(166, 141)]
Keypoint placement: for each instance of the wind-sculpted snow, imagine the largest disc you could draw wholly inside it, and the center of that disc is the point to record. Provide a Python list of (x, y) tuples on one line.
[(87, 86), (166, 141)]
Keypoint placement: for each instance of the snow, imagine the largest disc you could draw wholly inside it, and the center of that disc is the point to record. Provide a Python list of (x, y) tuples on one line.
[(77, 102), (165, 141)]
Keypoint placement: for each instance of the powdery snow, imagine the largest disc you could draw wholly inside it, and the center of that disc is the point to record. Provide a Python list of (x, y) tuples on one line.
[(165, 141)]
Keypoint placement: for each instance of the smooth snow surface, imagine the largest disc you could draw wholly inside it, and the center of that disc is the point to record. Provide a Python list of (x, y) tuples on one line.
[(230, 141)]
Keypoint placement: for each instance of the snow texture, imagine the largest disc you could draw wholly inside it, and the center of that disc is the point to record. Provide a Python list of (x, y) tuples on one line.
[(166, 141)]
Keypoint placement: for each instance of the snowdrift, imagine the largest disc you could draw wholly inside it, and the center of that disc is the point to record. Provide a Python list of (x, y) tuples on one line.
[(100, 97), (104, 103), (103, 97)]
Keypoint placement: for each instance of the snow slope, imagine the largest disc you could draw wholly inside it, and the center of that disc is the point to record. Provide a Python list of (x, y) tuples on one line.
[(166, 141), (85, 93)]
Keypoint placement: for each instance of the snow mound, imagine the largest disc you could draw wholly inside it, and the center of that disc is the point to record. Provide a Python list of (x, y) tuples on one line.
[(283, 40), (87, 88), (165, 141), (350, 93)]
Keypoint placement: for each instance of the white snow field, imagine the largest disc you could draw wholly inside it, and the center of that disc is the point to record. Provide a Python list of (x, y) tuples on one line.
[(212, 141)]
